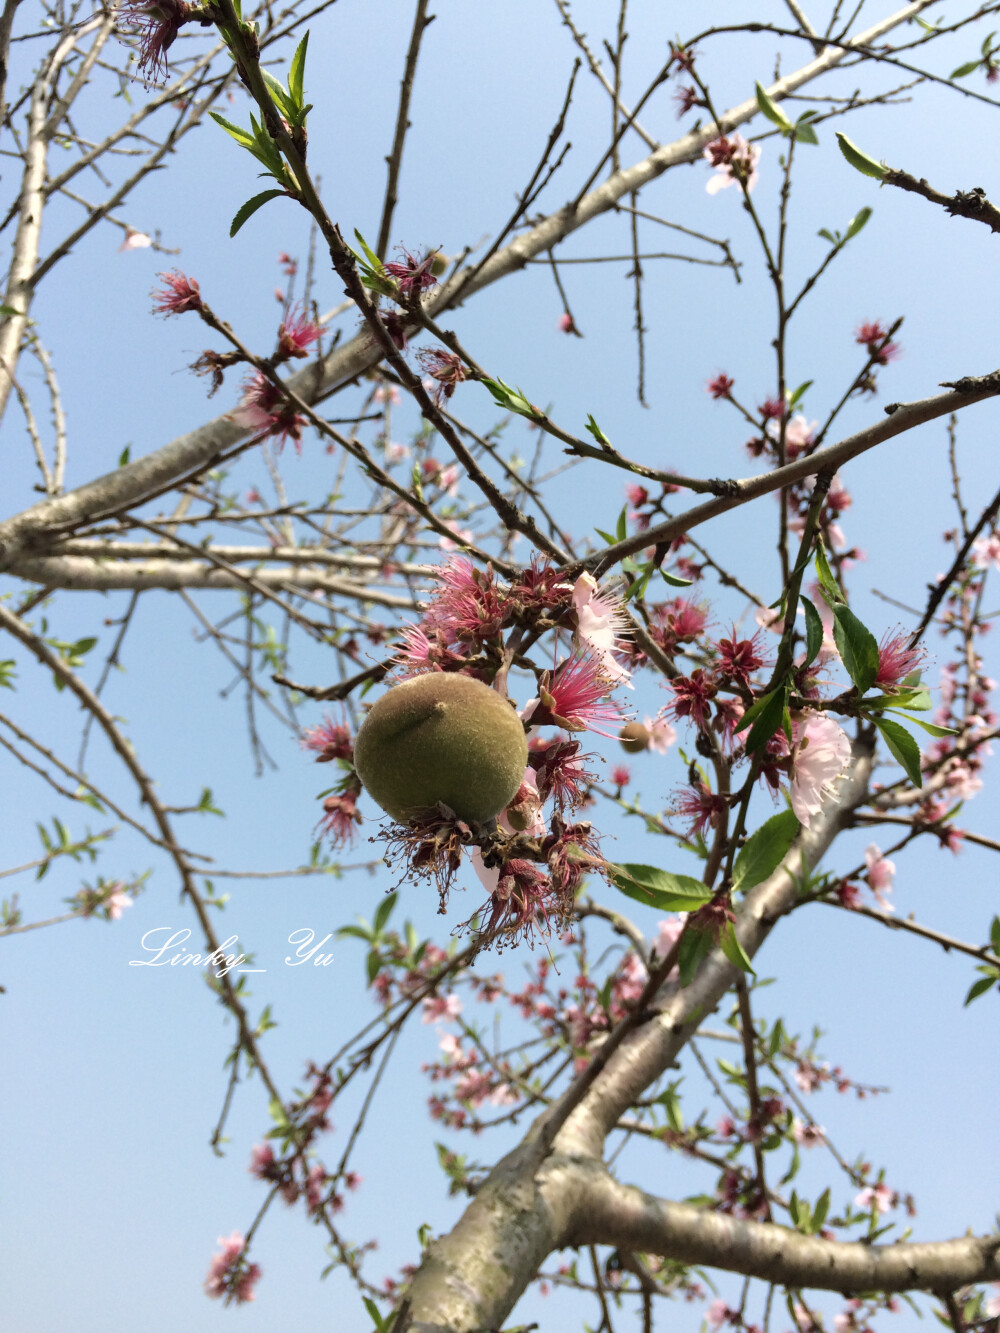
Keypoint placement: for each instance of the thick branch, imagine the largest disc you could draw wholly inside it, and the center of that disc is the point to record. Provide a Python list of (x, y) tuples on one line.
[(610, 1213), (105, 575), (473, 1277)]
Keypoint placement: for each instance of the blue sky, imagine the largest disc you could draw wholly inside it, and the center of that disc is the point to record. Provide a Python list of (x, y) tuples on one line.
[(113, 1197)]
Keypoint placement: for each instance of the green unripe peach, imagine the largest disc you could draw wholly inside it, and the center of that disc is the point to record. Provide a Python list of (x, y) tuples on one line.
[(441, 737), (634, 737)]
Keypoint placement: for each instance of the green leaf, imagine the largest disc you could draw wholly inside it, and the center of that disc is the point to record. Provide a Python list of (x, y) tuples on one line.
[(828, 584), (675, 580), (814, 630), (281, 98), (980, 987), (597, 433), (375, 1314), (297, 70), (857, 222), (764, 850), (857, 647), (768, 714), (769, 108), (799, 393), (373, 965), (803, 132), (733, 949), (124, 456), (930, 727), (370, 254), (903, 748), (621, 531), (672, 1107), (995, 935), (243, 137), (963, 71), (383, 912), (918, 700), (354, 932), (8, 310), (821, 1210), (250, 207), (514, 400), (828, 236), (860, 161), (793, 1169), (695, 944), (659, 888)]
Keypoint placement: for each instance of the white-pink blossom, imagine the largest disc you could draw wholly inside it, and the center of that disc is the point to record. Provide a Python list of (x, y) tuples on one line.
[(717, 1313), (116, 904), (880, 874), (732, 157), (450, 1046), (504, 1095), (769, 617), (462, 537), (448, 479), (986, 551), (441, 1006), (808, 1136), (669, 933), (134, 240), (661, 734), (600, 618), (822, 752), (632, 978), (880, 1195)]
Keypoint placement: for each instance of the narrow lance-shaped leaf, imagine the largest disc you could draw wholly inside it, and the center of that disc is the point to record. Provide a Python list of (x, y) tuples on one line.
[(297, 70), (931, 728), (814, 631), (828, 584), (243, 137), (767, 718), (250, 207), (597, 433), (383, 912)]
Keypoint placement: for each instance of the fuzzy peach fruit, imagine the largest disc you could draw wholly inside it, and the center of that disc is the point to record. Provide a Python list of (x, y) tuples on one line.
[(441, 737)]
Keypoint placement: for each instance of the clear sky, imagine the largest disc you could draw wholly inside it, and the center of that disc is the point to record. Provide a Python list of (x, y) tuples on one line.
[(112, 1197)]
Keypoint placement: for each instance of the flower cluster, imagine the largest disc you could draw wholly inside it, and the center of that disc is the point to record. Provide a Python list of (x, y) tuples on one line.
[(265, 410), (230, 1277), (735, 162)]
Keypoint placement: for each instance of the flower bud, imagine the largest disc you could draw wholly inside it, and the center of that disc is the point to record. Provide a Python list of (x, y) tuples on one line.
[(634, 737), (441, 738)]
